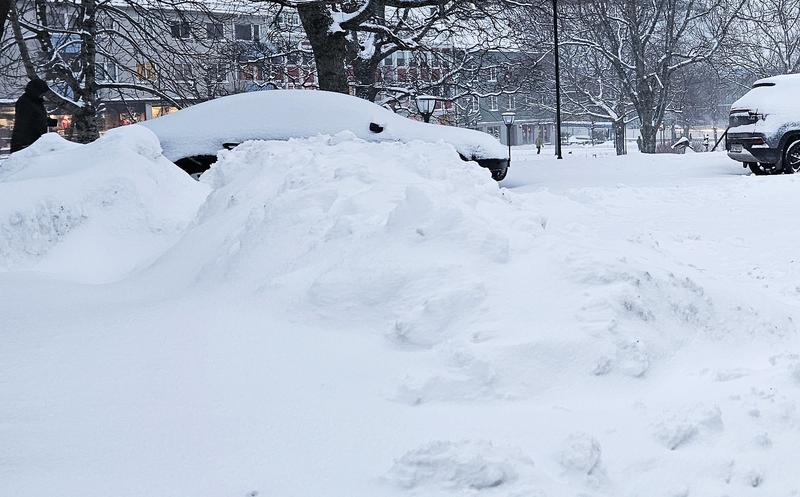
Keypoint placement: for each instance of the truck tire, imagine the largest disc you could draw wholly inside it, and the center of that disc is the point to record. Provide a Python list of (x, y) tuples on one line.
[(760, 169), (791, 157)]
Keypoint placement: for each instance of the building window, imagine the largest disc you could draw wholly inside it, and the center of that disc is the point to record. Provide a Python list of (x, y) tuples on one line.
[(214, 31), (217, 73), (401, 59), (247, 32), (146, 71), (107, 23), (388, 61), (528, 133), (163, 110), (251, 72), (494, 131), (289, 20), (107, 71), (183, 72), (180, 30), (491, 101), (61, 19), (474, 104), (492, 74), (512, 103)]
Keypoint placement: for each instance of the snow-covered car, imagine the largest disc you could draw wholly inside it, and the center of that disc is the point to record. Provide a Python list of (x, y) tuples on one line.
[(764, 128), (192, 136), (578, 140)]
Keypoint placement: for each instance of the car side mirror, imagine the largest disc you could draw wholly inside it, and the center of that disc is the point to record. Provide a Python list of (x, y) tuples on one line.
[(375, 127)]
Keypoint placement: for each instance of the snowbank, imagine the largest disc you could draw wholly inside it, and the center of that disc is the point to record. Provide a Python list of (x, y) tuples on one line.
[(342, 317), (92, 212), (351, 226)]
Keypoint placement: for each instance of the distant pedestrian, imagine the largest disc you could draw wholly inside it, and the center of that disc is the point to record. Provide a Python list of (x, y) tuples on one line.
[(30, 116), (705, 143), (539, 143), (639, 143)]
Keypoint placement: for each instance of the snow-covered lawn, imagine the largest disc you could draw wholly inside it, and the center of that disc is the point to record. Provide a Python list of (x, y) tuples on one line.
[(328, 317)]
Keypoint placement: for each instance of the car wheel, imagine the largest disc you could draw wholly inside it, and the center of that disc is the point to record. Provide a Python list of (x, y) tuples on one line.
[(499, 174), (791, 157), (761, 169), (196, 165)]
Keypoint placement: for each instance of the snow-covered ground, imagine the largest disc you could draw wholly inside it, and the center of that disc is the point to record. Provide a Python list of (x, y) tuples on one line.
[(333, 317)]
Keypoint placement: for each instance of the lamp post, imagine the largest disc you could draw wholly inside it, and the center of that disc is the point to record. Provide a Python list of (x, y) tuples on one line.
[(508, 119), (426, 104), (558, 79)]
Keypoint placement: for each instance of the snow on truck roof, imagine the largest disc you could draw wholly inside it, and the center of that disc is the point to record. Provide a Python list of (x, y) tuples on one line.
[(775, 95), (202, 129), (793, 79)]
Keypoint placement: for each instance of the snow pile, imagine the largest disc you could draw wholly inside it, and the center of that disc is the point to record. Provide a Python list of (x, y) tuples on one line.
[(342, 226), (92, 212), (462, 466), (385, 318)]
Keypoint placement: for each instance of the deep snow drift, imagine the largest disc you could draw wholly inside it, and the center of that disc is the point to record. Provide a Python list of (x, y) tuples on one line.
[(333, 317), (93, 213)]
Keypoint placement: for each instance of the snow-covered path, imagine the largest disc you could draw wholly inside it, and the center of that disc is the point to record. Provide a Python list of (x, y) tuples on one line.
[(605, 327)]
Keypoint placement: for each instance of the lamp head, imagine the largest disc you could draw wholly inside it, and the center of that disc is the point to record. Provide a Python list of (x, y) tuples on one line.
[(426, 104)]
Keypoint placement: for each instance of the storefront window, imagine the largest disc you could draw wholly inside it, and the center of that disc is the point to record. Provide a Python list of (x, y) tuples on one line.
[(528, 131), (494, 131), (162, 110)]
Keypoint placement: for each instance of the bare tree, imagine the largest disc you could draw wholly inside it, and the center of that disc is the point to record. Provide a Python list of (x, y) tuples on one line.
[(646, 43), (766, 42), (91, 51), (360, 34), (592, 91)]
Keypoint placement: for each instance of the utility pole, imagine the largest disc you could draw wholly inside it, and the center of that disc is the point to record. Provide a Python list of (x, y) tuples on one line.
[(558, 80)]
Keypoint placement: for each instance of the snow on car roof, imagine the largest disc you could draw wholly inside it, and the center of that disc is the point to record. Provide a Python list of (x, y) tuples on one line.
[(283, 114)]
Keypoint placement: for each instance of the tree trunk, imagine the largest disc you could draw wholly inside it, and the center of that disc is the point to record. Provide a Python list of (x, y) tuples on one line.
[(5, 8), (24, 53), (330, 50), (648, 132), (85, 119), (364, 73), (84, 122), (645, 109), (619, 136)]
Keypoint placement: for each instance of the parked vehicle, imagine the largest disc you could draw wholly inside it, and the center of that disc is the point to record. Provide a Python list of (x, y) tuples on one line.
[(764, 129), (192, 136), (579, 140)]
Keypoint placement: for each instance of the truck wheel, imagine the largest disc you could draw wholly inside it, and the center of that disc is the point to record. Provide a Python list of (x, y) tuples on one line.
[(791, 157), (761, 169)]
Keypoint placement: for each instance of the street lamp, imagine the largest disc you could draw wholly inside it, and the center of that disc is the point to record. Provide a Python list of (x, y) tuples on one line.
[(508, 119), (558, 79), (426, 104)]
